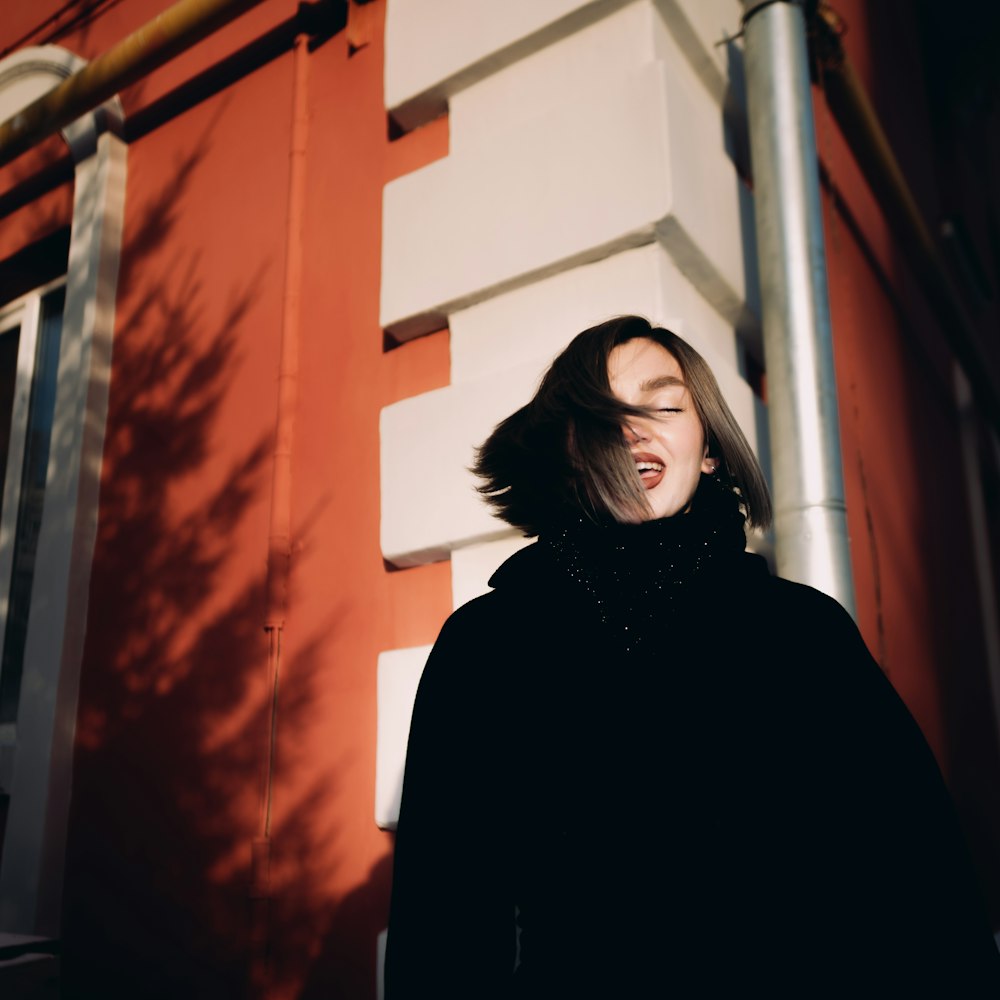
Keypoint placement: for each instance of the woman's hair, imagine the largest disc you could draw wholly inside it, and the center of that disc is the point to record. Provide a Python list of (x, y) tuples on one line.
[(565, 450)]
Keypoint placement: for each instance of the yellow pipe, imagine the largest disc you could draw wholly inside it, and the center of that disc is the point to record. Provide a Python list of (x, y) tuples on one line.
[(156, 42)]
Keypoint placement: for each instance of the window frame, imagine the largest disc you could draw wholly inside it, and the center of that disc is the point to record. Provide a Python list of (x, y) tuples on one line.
[(24, 312), (35, 837)]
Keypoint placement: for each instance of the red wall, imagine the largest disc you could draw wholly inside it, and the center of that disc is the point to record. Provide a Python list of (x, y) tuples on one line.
[(906, 487), (174, 718)]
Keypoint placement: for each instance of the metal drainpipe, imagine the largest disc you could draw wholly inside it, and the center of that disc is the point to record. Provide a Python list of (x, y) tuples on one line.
[(156, 42), (280, 527), (811, 539)]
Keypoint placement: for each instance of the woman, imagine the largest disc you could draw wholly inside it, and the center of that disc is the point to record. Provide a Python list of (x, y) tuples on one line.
[(641, 765)]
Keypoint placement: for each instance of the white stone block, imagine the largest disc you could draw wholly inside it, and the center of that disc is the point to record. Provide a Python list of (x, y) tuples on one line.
[(434, 48), (643, 160), (576, 69), (538, 320), (429, 501), (682, 308), (472, 567), (399, 673), (700, 29)]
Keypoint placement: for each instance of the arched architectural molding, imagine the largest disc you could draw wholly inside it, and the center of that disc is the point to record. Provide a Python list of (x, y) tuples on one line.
[(31, 872)]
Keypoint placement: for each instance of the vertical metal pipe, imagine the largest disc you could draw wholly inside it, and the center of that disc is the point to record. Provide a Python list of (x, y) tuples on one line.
[(810, 511), (279, 547)]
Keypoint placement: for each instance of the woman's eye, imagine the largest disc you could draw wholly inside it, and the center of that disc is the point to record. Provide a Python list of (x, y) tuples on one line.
[(668, 409)]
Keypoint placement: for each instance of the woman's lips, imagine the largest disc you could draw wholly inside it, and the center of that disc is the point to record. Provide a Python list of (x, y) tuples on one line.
[(651, 470)]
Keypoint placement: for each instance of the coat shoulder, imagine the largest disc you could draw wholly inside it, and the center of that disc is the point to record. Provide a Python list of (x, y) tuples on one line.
[(811, 618), (468, 649)]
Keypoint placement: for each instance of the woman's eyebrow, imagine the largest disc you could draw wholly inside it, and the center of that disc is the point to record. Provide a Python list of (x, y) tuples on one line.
[(660, 382)]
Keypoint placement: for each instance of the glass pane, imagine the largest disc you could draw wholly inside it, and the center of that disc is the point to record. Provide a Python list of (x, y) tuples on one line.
[(9, 341), (29, 516)]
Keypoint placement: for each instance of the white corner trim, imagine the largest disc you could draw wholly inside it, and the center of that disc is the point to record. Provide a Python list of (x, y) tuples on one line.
[(399, 672), (436, 48), (29, 73)]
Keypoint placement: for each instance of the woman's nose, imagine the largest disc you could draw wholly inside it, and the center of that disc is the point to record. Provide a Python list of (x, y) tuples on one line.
[(635, 432)]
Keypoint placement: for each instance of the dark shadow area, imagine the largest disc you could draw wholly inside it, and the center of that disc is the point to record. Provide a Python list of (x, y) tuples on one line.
[(72, 16), (323, 946), (37, 264), (737, 141), (749, 325), (933, 79), (155, 785), (33, 185), (174, 711), (174, 714), (339, 970)]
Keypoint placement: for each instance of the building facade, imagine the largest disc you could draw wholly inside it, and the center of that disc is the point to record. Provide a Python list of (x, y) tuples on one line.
[(257, 310)]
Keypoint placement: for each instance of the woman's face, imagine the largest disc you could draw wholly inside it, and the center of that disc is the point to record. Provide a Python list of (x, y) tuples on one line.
[(669, 449)]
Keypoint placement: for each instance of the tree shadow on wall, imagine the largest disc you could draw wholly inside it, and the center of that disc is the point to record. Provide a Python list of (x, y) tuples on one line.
[(173, 714), (336, 966), (71, 17), (325, 946), (930, 133)]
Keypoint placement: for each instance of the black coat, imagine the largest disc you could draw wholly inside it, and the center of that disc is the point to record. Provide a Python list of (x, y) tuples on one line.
[(746, 805)]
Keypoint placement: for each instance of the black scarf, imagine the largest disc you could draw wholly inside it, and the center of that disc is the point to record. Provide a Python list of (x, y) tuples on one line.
[(637, 575)]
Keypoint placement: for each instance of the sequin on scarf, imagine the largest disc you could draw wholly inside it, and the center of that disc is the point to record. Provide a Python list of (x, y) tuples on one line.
[(636, 576)]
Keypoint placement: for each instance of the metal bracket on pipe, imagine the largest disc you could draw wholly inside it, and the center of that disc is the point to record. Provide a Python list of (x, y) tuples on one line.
[(753, 6)]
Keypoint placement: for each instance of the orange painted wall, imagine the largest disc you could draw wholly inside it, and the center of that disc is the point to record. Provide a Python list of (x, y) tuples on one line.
[(35, 216), (170, 719), (331, 865), (907, 506), (173, 725), (174, 705)]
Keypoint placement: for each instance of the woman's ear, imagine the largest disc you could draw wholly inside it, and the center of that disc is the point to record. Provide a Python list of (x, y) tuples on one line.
[(709, 465)]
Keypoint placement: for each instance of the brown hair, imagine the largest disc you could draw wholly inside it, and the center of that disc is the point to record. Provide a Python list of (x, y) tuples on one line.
[(564, 451)]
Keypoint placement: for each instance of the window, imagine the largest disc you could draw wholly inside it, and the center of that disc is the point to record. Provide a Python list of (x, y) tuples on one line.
[(30, 330), (52, 441)]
